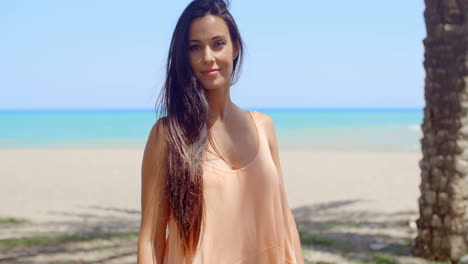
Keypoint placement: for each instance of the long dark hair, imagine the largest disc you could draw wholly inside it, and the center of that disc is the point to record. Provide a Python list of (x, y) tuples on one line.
[(183, 103)]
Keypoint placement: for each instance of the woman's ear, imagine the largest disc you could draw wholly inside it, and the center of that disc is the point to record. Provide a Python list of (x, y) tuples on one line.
[(236, 48)]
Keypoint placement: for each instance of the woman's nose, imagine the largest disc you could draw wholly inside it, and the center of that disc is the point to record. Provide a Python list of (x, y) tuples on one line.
[(208, 55)]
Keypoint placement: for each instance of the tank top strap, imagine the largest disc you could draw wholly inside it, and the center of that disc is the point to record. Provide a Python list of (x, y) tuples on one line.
[(261, 135), (253, 115)]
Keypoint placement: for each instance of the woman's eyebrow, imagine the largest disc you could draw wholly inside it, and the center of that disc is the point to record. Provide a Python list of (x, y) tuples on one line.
[(215, 37)]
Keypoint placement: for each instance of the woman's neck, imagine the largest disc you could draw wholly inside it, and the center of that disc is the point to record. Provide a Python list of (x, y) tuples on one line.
[(221, 106)]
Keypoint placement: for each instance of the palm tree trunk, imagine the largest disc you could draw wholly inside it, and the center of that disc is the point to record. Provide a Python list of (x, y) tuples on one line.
[(443, 205)]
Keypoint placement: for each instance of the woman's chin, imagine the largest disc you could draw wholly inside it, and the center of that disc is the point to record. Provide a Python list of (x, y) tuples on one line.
[(211, 87)]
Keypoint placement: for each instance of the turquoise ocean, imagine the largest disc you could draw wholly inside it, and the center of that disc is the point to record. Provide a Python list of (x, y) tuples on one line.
[(297, 129)]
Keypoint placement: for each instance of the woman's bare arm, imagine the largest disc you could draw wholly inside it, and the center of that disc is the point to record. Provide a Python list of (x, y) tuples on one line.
[(154, 202)]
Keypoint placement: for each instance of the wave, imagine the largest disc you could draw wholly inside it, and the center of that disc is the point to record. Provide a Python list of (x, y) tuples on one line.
[(415, 128)]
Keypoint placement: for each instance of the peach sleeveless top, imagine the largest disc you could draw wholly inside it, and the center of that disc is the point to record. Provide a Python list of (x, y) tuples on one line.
[(248, 220)]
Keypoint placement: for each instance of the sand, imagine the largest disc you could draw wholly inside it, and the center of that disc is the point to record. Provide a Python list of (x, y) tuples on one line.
[(53, 184), (361, 198)]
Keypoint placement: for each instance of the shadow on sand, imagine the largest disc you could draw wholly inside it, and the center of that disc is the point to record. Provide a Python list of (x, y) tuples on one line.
[(110, 235)]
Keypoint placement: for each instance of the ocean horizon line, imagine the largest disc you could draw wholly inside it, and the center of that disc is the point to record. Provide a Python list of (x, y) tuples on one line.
[(269, 109)]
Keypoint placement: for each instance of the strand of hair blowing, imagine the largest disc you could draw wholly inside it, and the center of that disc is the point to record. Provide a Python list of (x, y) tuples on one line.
[(183, 103)]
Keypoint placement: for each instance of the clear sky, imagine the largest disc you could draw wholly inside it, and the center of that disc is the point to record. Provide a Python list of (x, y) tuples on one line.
[(110, 54)]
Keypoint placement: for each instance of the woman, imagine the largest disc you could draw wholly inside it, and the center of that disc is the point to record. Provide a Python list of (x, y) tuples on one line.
[(211, 171)]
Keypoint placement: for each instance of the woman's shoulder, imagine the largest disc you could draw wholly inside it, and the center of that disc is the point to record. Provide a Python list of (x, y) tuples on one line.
[(265, 120), (159, 126), (157, 137), (268, 127), (155, 151), (267, 124)]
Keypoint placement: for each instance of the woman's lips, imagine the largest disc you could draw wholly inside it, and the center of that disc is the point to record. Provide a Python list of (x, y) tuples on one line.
[(210, 72)]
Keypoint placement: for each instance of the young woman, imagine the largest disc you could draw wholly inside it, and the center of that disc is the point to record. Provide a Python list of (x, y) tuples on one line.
[(211, 172)]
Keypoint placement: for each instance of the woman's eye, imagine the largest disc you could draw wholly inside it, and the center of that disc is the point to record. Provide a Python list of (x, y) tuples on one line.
[(219, 43)]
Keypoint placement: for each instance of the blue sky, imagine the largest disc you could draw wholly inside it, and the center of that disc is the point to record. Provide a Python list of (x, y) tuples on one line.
[(110, 54)]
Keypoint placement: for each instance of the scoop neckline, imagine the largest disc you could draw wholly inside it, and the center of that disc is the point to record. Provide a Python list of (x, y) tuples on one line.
[(250, 162)]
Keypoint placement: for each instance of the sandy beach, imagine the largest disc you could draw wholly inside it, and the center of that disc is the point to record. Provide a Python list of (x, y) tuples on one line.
[(98, 189), (48, 184)]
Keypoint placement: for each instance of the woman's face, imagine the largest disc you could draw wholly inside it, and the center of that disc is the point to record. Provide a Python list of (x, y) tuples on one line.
[(211, 51)]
